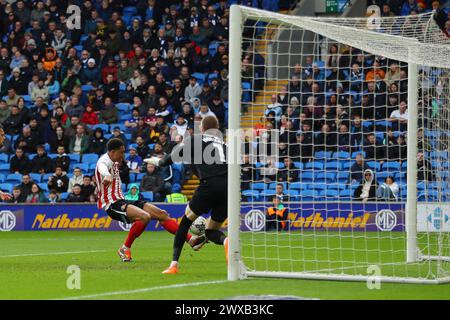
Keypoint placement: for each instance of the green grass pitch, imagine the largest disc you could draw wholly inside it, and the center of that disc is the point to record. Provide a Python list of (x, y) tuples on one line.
[(33, 265)]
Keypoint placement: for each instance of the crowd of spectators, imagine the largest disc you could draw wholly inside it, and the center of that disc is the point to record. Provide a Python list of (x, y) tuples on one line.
[(341, 123), (144, 71)]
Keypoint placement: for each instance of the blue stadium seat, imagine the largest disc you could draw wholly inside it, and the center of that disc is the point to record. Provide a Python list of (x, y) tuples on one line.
[(123, 118), (4, 158), (258, 186), (266, 194), (2, 178), (27, 99), (347, 165), (314, 165), (14, 178), (36, 177), (86, 87), (201, 77), (341, 155), (430, 195), (342, 176), (4, 168), (251, 195), (102, 126), (148, 195), (326, 177), (130, 10), (307, 176), (292, 193), (273, 185), (381, 176), (64, 196), (329, 194), (391, 166), (374, 165), (84, 167), (346, 194), (74, 157), (298, 165), (6, 187), (123, 107), (333, 166), (246, 86), (323, 155), (400, 177), (318, 186), (43, 186), (298, 186), (89, 158), (308, 195), (46, 177), (358, 152), (31, 156)]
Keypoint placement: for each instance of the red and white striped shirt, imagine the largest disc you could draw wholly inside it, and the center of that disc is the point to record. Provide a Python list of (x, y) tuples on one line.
[(107, 195)]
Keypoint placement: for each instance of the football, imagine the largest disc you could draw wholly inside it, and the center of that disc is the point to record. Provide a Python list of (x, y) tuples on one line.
[(199, 226)]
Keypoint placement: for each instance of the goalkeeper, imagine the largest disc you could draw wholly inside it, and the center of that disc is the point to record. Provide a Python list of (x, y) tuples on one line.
[(206, 153)]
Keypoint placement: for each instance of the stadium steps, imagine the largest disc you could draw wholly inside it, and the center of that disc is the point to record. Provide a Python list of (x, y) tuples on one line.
[(189, 186), (257, 108)]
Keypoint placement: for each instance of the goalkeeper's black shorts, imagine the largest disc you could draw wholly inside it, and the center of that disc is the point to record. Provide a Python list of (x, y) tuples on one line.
[(211, 196)]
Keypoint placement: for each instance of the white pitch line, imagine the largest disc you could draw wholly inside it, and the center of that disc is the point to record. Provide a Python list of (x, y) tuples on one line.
[(173, 286), (50, 253)]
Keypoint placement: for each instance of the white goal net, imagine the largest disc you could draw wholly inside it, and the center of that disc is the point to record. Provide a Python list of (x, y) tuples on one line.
[(344, 170)]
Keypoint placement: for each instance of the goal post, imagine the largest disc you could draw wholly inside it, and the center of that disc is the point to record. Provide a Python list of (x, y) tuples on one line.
[(352, 80)]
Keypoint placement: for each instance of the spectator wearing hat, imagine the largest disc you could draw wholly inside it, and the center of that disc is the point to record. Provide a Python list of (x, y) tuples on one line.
[(180, 125), (218, 108), (17, 82), (90, 74), (117, 133), (134, 161), (97, 143)]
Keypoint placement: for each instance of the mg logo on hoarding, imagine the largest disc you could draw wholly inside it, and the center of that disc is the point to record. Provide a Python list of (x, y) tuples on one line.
[(255, 220), (386, 220), (437, 218), (7, 220), (124, 226)]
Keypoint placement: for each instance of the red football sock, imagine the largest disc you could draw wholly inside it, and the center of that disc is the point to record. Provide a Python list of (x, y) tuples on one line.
[(172, 227), (136, 230)]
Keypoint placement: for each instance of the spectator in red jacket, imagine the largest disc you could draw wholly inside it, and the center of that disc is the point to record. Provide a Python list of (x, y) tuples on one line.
[(89, 116), (111, 68)]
